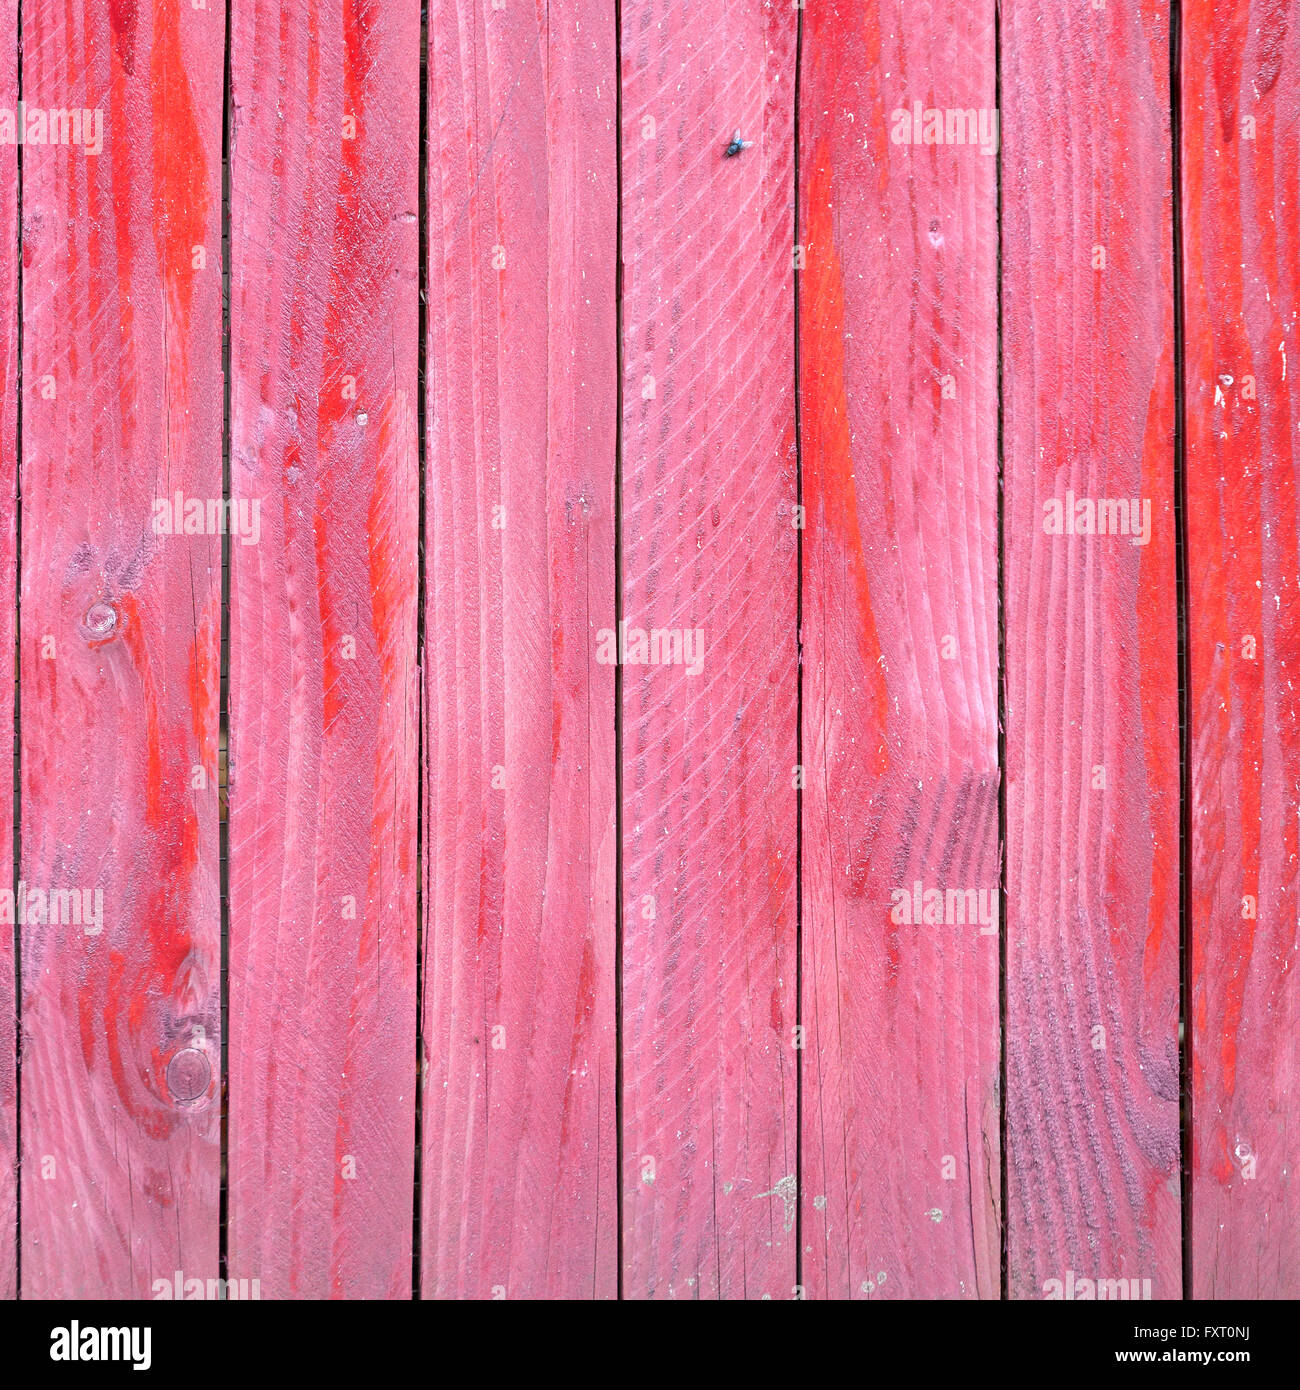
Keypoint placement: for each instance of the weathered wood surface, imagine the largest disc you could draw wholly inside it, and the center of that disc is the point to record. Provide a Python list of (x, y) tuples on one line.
[(1092, 765), (898, 354), (1241, 282), (323, 627), (519, 1140), (8, 587), (120, 630), (669, 912), (709, 741)]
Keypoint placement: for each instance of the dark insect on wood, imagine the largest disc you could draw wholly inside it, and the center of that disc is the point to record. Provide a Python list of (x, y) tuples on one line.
[(736, 145), (708, 1110)]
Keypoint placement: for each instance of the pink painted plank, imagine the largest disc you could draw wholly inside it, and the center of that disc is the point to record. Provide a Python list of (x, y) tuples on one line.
[(1092, 1064), (120, 637), (1241, 151), (709, 740), (898, 326), (519, 1166), (8, 480), (323, 693)]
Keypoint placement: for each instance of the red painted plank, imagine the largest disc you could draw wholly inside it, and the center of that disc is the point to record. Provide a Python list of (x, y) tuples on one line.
[(898, 321), (120, 635), (8, 479), (1241, 150), (1091, 635), (518, 1178), (323, 696), (708, 738)]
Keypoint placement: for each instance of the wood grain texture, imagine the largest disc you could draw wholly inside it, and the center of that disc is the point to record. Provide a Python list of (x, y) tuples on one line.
[(323, 683), (120, 636), (1241, 279), (8, 538), (898, 353), (520, 1148), (709, 550), (1091, 639)]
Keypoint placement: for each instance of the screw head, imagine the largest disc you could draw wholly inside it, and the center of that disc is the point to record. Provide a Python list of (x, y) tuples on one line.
[(188, 1074), (100, 619)]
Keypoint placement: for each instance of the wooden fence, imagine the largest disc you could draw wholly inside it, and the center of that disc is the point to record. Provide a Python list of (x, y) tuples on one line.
[(657, 648)]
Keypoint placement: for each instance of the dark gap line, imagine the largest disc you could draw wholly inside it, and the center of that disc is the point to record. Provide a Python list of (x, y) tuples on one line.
[(618, 628), (1184, 657), (18, 747), (223, 717), (421, 401), (1004, 1292), (798, 730)]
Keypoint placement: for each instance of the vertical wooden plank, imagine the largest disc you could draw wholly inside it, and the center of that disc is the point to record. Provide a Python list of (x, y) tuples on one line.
[(1241, 282), (8, 482), (898, 325), (120, 639), (323, 717), (709, 736), (519, 1171), (1092, 1064)]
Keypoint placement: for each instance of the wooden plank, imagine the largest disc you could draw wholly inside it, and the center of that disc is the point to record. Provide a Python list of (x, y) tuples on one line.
[(709, 740), (323, 694), (519, 1170), (898, 351), (1241, 282), (1092, 1063), (8, 539), (119, 648)]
